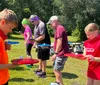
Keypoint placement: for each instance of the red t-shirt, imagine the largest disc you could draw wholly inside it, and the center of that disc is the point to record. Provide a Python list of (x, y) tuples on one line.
[(93, 48), (4, 73), (61, 33)]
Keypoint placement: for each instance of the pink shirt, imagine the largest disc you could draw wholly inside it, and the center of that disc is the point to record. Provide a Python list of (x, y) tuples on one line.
[(61, 33), (28, 30), (93, 48)]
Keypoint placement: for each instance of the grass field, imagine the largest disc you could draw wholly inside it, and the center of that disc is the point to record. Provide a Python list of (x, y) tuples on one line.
[(74, 72)]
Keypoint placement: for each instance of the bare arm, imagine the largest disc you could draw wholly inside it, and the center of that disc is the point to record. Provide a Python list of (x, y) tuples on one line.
[(90, 57), (5, 66), (28, 36), (58, 48), (84, 51), (59, 45), (40, 38)]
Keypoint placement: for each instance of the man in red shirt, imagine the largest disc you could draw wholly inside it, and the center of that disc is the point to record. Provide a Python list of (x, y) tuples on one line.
[(8, 21), (60, 47), (92, 52)]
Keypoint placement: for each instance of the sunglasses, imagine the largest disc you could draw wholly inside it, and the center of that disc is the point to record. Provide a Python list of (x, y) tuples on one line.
[(32, 21)]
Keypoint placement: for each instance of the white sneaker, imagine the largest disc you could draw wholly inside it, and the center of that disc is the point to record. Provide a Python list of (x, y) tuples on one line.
[(54, 84)]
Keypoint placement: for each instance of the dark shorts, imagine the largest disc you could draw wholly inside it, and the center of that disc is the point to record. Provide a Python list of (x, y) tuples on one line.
[(43, 54)]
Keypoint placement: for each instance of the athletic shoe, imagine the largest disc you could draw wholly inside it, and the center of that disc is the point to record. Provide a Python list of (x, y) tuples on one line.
[(42, 74), (54, 83), (29, 66), (38, 71)]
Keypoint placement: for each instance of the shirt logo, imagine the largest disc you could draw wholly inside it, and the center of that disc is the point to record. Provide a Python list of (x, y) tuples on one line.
[(89, 49)]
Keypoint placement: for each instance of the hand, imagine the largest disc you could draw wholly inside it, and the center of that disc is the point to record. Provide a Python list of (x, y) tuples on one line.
[(32, 40), (13, 65), (20, 32), (90, 57), (7, 46), (25, 43), (53, 57), (35, 45)]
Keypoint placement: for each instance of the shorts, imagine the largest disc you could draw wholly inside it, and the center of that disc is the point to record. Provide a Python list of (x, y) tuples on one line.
[(94, 74), (59, 63), (43, 54)]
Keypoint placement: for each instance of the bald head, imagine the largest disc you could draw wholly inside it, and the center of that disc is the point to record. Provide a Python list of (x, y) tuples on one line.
[(91, 27)]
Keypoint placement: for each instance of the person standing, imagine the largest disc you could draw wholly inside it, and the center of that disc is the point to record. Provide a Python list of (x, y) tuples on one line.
[(8, 21), (27, 36), (60, 48), (41, 36), (92, 52)]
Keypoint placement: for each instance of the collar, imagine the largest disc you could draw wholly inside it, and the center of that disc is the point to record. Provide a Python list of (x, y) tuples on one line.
[(2, 35)]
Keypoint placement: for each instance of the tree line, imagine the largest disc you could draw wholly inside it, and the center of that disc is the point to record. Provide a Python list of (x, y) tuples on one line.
[(73, 14)]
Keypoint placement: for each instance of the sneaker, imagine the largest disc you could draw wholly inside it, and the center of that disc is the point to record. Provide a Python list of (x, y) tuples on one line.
[(54, 83), (38, 71), (42, 74), (28, 66)]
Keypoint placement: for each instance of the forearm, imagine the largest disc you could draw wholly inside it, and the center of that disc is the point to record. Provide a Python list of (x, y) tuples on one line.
[(97, 59), (28, 36), (4, 66), (40, 38), (58, 46)]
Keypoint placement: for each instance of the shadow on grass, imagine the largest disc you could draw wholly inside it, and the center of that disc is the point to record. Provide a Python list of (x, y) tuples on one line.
[(18, 69), (49, 67), (69, 75), (65, 75), (21, 80), (15, 38)]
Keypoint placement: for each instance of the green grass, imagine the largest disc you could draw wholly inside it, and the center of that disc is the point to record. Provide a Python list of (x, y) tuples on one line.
[(72, 39), (74, 72)]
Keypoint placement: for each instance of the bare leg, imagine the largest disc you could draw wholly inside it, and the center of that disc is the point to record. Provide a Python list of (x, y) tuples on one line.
[(96, 82), (44, 66), (90, 81), (40, 64), (58, 75)]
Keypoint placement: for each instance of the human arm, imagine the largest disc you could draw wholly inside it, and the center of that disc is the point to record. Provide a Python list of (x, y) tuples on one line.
[(7, 46), (58, 48), (5, 66), (28, 36), (58, 45), (21, 33), (91, 57), (41, 37), (84, 51)]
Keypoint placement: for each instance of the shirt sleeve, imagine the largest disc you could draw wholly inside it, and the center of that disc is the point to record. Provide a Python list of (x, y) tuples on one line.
[(42, 30), (59, 33), (27, 29)]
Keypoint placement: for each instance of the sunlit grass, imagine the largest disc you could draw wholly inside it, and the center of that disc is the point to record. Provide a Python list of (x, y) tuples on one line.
[(74, 72)]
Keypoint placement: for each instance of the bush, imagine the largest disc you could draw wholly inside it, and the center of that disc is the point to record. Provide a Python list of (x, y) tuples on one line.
[(50, 30), (76, 32)]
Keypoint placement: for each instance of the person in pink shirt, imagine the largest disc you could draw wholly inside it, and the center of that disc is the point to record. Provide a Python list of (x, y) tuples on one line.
[(92, 52), (27, 36)]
